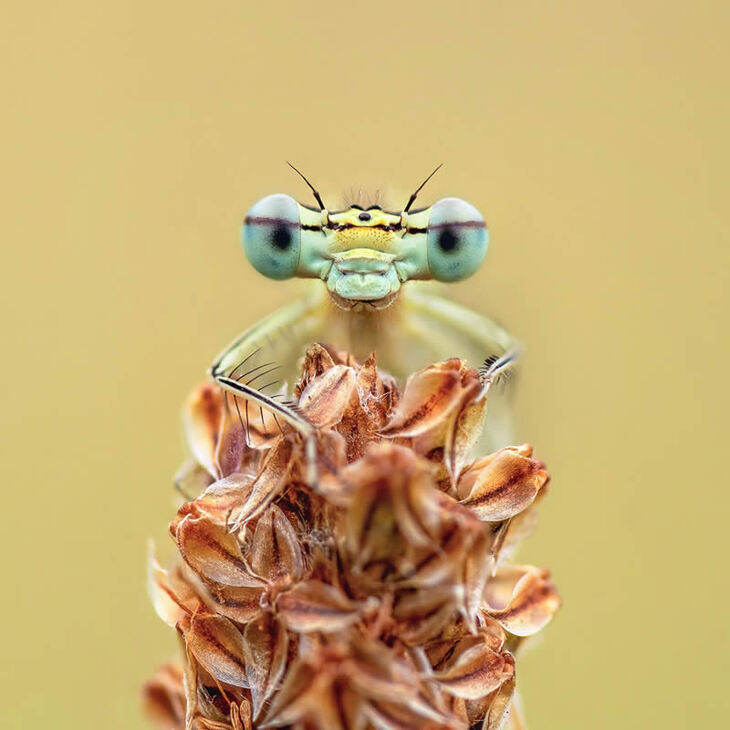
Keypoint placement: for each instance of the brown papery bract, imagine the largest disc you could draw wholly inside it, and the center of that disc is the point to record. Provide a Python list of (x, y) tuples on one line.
[(376, 598)]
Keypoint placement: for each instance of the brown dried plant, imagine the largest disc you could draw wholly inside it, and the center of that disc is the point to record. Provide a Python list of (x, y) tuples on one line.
[(377, 598)]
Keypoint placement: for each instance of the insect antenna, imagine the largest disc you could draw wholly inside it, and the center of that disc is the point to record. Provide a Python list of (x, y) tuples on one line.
[(311, 187), (412, 199)]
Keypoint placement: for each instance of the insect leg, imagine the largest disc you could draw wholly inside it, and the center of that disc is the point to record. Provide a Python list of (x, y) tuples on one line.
[(284, 411), (447, 329), (274, 344)]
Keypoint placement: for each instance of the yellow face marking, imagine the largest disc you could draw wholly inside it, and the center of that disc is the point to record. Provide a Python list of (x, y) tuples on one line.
[(365, 229), (373, 238)]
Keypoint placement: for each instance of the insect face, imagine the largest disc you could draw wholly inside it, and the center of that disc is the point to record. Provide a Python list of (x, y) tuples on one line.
[(364, 255)]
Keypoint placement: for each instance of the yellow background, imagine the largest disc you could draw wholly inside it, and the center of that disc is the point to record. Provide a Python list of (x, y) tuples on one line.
[(593, 137)]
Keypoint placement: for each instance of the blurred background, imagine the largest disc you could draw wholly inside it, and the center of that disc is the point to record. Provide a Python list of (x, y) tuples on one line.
[(593, 136)]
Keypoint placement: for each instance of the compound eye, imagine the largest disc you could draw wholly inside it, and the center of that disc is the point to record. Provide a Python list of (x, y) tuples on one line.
[(457, 240), (271, 236)]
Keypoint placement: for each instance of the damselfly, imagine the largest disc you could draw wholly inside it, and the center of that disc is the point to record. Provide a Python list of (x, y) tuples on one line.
[(366, 258)]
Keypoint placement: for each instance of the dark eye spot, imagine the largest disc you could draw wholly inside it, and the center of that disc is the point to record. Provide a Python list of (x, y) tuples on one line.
[(281, 238), (447, 241)]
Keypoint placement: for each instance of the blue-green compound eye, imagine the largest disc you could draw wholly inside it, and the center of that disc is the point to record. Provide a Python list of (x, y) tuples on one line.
[(271, 236), (457, 240)]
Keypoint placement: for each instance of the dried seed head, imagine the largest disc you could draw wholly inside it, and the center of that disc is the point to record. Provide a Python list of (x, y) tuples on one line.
[(376, 598)]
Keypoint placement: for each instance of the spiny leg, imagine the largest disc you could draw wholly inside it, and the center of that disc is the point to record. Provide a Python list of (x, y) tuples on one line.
[(286, 411), (245, 428), (284, 334), (498, 368), (445, 329)]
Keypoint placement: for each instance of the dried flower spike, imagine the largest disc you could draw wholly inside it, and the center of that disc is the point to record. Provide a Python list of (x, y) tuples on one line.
[(378, 597)]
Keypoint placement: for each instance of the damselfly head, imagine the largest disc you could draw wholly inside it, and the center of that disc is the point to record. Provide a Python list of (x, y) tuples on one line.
[(364, 255)]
